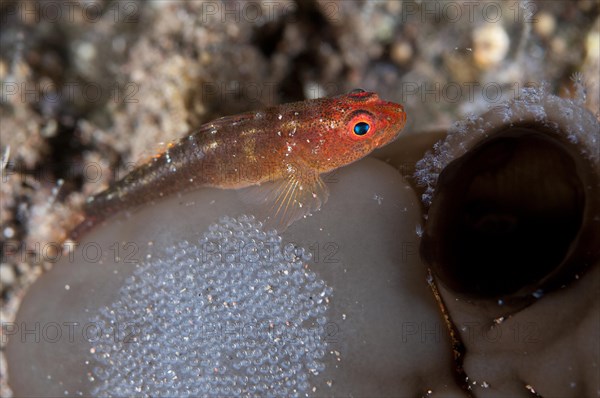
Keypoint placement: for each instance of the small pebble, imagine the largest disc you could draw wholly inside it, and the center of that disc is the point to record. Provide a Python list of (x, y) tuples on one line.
[(592, 43), (7, 275), (87, 51), (544, 24), (8, 232), (401, 52), (490, 45)]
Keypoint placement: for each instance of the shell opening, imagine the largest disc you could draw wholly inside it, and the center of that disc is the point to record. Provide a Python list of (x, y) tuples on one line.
[(506, 214)]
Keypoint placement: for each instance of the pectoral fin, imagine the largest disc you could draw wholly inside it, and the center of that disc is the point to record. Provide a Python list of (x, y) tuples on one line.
[(284, 201)]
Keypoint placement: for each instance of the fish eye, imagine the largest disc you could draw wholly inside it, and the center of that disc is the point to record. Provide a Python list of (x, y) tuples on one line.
[(361, 128)]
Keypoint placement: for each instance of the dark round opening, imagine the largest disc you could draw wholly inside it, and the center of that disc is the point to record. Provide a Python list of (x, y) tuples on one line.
[(504, 215)]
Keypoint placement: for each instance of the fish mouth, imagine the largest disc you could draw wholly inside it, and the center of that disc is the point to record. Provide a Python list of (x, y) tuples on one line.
[(394, 113), (396, 117)]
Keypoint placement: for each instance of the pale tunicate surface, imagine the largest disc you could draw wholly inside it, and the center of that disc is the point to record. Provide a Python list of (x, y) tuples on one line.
[(382, 336), (252, 310)]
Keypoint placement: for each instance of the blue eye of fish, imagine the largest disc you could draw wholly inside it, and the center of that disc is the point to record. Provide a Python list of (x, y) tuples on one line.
[(361, 128)]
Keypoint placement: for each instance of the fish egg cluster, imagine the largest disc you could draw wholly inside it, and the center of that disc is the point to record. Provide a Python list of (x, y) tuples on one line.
[(237, 313)]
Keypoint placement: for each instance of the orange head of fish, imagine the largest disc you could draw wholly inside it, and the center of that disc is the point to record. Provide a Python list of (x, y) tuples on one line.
[(349, 127)]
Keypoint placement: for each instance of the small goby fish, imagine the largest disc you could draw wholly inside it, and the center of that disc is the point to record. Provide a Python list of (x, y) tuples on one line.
[(282, 150)]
